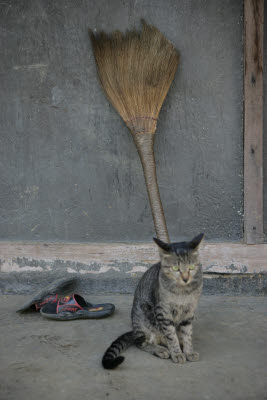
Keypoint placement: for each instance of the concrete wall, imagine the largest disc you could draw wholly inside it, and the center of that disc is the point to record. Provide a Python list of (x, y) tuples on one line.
[(69, 168)]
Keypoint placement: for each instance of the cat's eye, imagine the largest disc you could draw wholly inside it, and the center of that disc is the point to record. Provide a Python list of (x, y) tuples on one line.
[(175, 268), (192, 266)]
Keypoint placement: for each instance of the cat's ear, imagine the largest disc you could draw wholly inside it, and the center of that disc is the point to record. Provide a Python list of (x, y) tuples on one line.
[(195, 243), (163, 246)]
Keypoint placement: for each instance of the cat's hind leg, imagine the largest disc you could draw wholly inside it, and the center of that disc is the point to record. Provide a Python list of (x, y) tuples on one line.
[(155, 349), (150, 345)]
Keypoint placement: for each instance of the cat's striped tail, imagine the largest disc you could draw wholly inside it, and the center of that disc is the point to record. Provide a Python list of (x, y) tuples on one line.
[(112, 358)]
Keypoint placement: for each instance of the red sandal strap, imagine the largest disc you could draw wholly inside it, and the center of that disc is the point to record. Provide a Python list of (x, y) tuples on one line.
[(68, 303), (43, 302)]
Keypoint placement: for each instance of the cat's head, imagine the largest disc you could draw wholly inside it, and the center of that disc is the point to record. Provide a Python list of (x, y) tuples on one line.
[(179, 261)]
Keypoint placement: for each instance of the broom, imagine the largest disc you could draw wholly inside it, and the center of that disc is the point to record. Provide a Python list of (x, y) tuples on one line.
[(136, 71)]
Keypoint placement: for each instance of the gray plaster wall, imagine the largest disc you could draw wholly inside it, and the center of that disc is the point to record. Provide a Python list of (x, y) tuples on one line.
[(69, 168)]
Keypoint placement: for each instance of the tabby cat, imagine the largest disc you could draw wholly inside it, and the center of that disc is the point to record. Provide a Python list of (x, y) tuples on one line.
[(163, 307)]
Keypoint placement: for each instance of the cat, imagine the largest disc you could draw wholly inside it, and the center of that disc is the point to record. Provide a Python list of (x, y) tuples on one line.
[(163, 307)]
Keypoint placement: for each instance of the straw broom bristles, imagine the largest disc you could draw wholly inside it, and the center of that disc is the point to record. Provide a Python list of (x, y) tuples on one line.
[(136, 71)]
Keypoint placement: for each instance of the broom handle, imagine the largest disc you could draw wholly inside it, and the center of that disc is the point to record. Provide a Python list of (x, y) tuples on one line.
[(144, 143)]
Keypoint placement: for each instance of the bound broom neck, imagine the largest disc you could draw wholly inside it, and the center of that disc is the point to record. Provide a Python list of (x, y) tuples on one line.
[(145, 143)]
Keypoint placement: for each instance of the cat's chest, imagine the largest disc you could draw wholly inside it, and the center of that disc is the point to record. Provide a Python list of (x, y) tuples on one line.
[(182, 310)]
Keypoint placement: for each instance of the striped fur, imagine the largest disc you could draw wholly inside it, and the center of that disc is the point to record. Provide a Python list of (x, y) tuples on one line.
[(112, 358), (163, 307)]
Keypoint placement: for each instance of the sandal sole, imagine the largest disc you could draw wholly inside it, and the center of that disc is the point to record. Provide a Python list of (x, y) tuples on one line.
[(82, 314)]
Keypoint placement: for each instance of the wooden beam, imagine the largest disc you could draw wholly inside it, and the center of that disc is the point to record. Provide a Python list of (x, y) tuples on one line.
[(253, 121), (124, 258)]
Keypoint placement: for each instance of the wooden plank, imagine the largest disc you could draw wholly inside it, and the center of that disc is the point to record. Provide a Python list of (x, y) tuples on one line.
[(253, 121), (99, 258)]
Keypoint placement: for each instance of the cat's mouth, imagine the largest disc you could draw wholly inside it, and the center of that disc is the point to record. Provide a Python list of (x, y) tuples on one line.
[(185, 279), (183, 283)]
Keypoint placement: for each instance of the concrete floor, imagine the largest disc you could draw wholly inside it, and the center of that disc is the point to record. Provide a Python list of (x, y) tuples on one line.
[(42, 359)]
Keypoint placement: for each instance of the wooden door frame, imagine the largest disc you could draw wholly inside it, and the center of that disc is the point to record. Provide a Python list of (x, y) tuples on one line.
[(253, 121)]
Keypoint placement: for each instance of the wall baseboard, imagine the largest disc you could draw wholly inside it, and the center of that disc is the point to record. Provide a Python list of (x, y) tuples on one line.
[(127, 258)]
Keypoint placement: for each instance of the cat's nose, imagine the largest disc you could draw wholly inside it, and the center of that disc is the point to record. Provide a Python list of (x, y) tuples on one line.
[(185, 277)]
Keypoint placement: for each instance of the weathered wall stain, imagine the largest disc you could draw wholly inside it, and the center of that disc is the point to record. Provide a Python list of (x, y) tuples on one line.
[(213, 284), (33, 66)]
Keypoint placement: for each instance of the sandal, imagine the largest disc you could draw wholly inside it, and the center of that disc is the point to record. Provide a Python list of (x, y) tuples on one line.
[(73, 307), (50, 294)]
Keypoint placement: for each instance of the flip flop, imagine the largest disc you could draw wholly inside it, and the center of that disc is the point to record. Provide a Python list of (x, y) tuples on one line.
[(60, 287), (73, 307)]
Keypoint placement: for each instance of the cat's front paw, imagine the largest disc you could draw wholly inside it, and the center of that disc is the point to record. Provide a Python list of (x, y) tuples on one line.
[(179, 358), (192, 356), (162, 352)]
